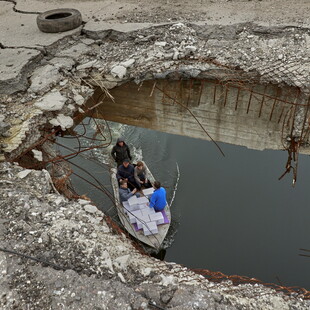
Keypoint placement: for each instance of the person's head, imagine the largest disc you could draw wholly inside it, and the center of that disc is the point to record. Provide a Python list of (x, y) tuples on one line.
[(123, 183), (157, 185), (140, 164), (126, 162), (120, 141)]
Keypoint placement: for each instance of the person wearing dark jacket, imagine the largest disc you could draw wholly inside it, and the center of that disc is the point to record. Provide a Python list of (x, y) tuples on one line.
[(125, 193), (120, 151), (126, 172), (141, 175)]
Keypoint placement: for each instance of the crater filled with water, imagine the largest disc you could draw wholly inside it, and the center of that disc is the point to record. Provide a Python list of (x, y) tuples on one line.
[(231, 214)]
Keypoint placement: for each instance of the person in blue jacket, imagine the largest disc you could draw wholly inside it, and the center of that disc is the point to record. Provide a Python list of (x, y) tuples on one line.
[(158, 199)]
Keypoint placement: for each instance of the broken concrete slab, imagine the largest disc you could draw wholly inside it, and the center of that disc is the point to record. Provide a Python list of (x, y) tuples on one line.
[(128, 63), (53, 101), (74, 51), (100, 29), (62, 62), (14, 67), (43, 78), (87, 65)]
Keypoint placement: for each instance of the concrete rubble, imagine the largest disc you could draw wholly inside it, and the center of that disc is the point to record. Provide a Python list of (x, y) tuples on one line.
[(46, 78)]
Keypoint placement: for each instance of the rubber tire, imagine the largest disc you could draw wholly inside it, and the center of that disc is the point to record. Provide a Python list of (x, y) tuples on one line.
[(60, 24)]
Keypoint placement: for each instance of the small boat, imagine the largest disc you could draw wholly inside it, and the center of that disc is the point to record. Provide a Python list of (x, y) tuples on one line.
[(141, 221)]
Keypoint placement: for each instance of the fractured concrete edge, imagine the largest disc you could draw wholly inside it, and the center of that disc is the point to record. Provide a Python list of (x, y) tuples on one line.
[(100, 30), (19, 81)]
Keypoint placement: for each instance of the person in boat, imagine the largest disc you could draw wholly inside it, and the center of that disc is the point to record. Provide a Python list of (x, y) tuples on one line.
[(120, 151), (158, 199), (124, 191), (141, 176), (126, 172)]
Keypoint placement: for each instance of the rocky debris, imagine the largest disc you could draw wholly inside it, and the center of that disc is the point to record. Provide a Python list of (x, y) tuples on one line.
[(153, 51), (90, 208), (99, 270), (101, 29), (119, 71), (75, 51), (4, 127), (63, 121), (128, 63), (62, 63), (21, 128), (53, 101), (37, 155), (87, 65)]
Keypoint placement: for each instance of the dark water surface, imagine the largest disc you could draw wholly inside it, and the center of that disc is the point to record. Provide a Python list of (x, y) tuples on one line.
[(233, 214)]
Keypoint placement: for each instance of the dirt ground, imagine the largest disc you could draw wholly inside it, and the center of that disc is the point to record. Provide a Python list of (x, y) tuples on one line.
[(223, 11), (266, 12)]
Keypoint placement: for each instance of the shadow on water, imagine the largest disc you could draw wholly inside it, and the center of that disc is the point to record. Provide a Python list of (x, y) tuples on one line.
[(160, 255)]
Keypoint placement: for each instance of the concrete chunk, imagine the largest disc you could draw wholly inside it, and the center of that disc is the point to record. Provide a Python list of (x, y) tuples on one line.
[(62, 62), (90, 208), (53, 101), (119, 71), (128, 63), (37, 155), (101, 29), (65, 121), (44, 77), (23, 173), (75, 51)]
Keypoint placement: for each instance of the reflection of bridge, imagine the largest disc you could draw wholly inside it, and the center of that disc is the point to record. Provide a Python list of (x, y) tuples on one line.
[(252, 115)]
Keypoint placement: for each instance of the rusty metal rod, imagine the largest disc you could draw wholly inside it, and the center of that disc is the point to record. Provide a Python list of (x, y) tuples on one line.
[(249, 103), (236, 105)]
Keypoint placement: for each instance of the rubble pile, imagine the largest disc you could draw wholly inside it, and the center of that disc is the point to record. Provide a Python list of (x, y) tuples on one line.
[(108, 55)]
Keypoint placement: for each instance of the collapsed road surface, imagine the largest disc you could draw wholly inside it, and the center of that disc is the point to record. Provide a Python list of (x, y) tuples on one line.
[(74, 260)]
